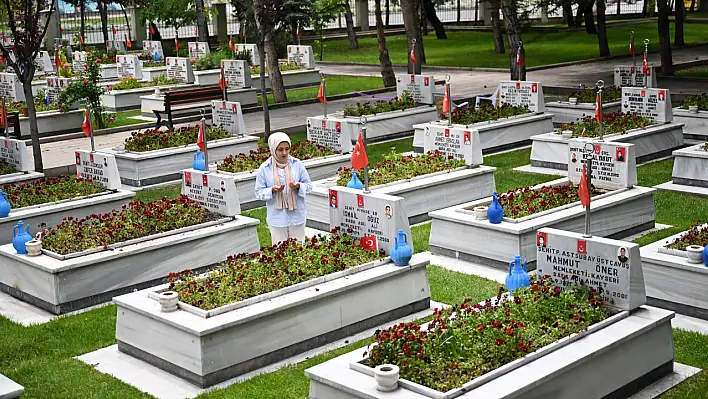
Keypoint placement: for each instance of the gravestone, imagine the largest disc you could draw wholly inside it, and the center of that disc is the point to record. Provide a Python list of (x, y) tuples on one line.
[(228, 116), (129, 66), (43, 64), (78, 61), (116, 45), (198, 50), (237, 73), (55, 86), (214, 191), (99, 167), (522, 93), (651, 103), (612, 267), (302, 56), (333, 133), (614, 164), (374, 215), (10, 87), (150, 47), (180, 69), (255, 55), (625, 76), (420, 87), (454, 141), (14, 152)]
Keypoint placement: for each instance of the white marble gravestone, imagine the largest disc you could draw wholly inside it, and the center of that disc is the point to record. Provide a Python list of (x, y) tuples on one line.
[(420, 87), (99, 167), (458, 142), (129, 66), (215, 191), (78, 61), (522, 93), (10, 87), (255, 56), (228, 116), (237, 73), (180, 68), (150, 47), (613, 267), (368, 215), (43, 64), (625, 76), (614, 164), (198, 50), (651, 103), (55, 86), (116, 45), (14, 152), (331, 132), (302, 56)]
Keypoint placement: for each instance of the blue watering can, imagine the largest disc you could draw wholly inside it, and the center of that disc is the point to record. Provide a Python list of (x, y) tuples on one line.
[(4, 205), (518, 276)]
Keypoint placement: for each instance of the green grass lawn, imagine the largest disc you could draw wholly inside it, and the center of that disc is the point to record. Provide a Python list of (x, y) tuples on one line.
[(125, 118), (697, 72), (335, 85), (475, 49), (41, 357)]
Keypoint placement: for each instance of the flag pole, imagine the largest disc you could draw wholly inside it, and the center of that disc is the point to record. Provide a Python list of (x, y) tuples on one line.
[(6, 125), (362, 120), (449, 100), (646, 50), (206, 155), (600, 84), (588, 173), (88, 110), (634, 57), (324, 93), (298, 32), (223, 82)]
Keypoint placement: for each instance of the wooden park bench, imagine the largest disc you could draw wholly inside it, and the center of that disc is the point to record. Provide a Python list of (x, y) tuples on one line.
[(13, 121), (182, 100)]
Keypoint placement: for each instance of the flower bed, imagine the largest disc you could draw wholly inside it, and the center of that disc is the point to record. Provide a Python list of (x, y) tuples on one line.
[(525, 201), (486, 112), (377, 107), (136, 220), (255, 70), (469, 340), (6, 169), (589, 95), (247, 275), (701, 101), (303, 150), (50, 190), (614, 123), (132, 83), (696, 235), (397, 167), (155, 139)]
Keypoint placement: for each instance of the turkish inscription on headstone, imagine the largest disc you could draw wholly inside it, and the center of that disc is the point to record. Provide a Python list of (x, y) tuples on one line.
[(14, 153), (614, 164), (150, 47), (612, 267), (628, 76), (99, 167), (129, 66), (228, 116), (368, 215), (453, 141), (215, 191), (55, 86), (198, 50), (180, 69), (420, 87), (237, 73), (78, 61), (302, 56), (10, 87), (333, 133), (522, 93), (253, 49), (116, 45), (651, 103)]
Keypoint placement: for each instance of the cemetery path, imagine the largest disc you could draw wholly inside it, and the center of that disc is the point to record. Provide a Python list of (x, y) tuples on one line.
[(464, 83)]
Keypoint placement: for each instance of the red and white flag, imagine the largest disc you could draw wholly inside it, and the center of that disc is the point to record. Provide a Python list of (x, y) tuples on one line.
[(200, 138), (369, 242), (86, 125), (519, 59), (4, 112), (152, 29), (446, 100), (598, 112), (231, 43), (244, 33), (645, 66), (583, 133), (582, 247), (413, 55), (359, 157), (176, 45), (196, 32), (222, 82), (631, 47), (128, 44), (583, 189), (321, 94), (297, 30), (114, 31)]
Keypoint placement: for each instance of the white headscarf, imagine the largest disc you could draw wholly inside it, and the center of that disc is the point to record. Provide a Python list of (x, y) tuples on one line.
[(286, 199)]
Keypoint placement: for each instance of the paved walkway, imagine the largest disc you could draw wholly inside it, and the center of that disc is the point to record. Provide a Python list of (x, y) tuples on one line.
[(464, 83)]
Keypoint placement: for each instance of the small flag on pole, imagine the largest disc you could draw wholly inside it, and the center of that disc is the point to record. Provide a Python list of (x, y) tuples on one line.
[(631, 47), (297, 31), (244, 32), (114, 31), (519, 59), (359, 158), (152, 29), (86, 125), (81, 39), (446, 100), (222, 82), (176, 45), (320, 94), (598, 113), (231, 43), (200, 138), (128, 44), (4, 112), (645, 66), (196, 32), (583, 133), (369, 242), (413, 60), (583, 189)]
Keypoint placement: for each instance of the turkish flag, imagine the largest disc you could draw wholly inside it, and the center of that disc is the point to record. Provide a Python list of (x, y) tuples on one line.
[(597, 149), (205, 180), (583, 189), (583, 133), (582, 247), (369, 242), (231, 43), (631, 47), (114, 30), (598, 112), (152, 30), (413, 56), (176, 46), (86, 125), (519, 59), (645, 65), (321, 95), (446, 100), (222, 81), (128, 43), (359, 158), (4, 112), (200, 138), (360, 201)]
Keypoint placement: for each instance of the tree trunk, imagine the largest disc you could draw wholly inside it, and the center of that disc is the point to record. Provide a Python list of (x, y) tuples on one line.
[(680, 15), (602, 29), (589, 18), (619, 7), (104, 19), (389, 77), (423, 23), (423, 19), (411, 22), (667, 66), (261, 54), (513, 35), (693, 5), (34, 130), (434, 20), (496, 29), (568, 13), (353, 41), (276, 79), (83, 19), (388, 11), (579, 15), (202, 29), (645, 8)]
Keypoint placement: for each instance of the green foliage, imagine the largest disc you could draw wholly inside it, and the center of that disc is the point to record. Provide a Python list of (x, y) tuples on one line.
[(701, 101), (696, 235), (378, 107), (6, 169), (174, 13), (49, 190), (86, 89), (163, 80), (486, 112), (211, 60), (152, 139), (588, 96), (525, 201), (247, 162), (256, 70), (127, 84), (613, 123)]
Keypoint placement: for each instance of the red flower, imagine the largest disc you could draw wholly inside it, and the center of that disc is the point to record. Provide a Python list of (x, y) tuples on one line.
[(499, 342)]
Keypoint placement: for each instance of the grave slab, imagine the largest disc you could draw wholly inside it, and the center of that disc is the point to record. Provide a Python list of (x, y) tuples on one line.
[(9, 389), (155, 101), (691, 166), (125, 100), (565, 112), (695, 124), (53, 123)]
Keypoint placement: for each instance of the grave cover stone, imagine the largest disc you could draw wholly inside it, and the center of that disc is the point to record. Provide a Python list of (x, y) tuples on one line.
[(150, 47), (228, 116), (116, 45), (612, 267), (374, 215), (14, 152), (78, 61), (10, 87), (237, 73), (198, 50), (333, 133), (99, 167), (651, 103), (129, 66), (180, 69), (522, 93), (420, 87), (455, 141), (302, 56), (614, 164), (215, 191), (625, 76), (255, 56), (55, 86)]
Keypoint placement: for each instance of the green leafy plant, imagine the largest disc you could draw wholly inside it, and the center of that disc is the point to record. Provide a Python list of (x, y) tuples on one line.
[(50, 189), (40, 104), (696, 235), (469, 340), (163, 80), (701, 101), (6, 169), (287, 263), (127, 84), (486, 112), (588, 95), (378, 107), (247, 162), (244, 55), (613, 123), (525, 201), (152, 139), (210, 61), (86, 89), (255, 70), (397, 167)]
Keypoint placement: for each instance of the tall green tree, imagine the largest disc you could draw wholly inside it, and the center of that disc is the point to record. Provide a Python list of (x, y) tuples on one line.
[(174, 13)]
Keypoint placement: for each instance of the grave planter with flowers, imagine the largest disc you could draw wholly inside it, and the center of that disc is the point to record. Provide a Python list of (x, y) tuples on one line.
[(566, 112), (689, 171), (693, 113)]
